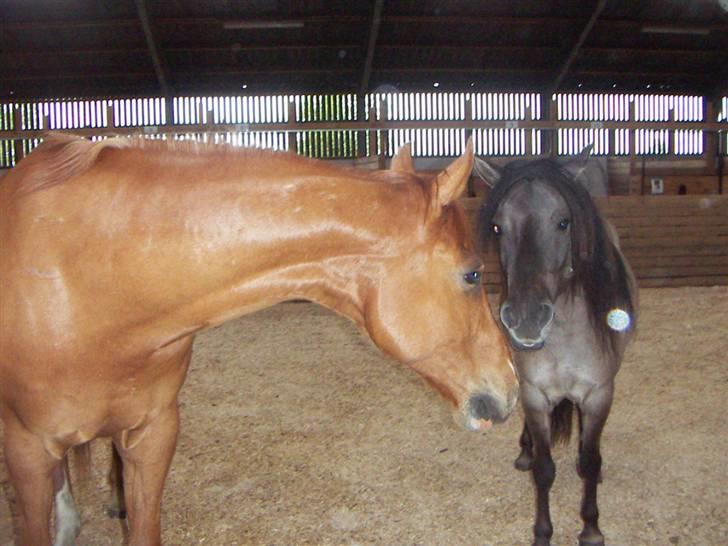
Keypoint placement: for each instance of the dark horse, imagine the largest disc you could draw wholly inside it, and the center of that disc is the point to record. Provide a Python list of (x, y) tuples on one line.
[(569, 307)]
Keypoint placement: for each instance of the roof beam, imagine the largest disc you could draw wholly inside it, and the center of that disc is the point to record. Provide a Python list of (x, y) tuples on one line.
[(353, 46), (152, 47), (475, 20), (373, 34), (388, 70), (601, 4)]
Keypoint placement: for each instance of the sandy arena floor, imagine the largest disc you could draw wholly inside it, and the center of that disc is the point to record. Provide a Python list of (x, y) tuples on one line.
[(296, 431)]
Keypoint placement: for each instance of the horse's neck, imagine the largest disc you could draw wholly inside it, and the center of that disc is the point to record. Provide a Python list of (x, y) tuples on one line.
[(247, 246)]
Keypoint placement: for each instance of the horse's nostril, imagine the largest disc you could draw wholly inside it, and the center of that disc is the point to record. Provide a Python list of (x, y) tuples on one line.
[(508, 316), (546, 313), (484, 406)]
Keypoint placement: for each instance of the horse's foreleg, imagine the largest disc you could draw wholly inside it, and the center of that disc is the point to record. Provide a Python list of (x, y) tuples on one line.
[(30, 468), (146, 454), (116, 507), (68, 522), (525, 458), (544, 472), (595, 410)]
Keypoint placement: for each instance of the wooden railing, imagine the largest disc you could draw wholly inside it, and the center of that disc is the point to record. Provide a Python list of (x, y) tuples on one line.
[(520, 130)]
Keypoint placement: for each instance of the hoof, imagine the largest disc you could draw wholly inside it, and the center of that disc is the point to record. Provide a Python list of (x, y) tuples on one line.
[(541, 542), (523, 463), (115, 513)]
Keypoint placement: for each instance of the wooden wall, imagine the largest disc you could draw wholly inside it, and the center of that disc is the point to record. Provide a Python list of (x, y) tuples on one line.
[(668, 240), (696, 176)]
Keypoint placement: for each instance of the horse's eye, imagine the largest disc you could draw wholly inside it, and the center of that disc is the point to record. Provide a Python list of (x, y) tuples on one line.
[(473, 277), (496, 230), (564, 224)]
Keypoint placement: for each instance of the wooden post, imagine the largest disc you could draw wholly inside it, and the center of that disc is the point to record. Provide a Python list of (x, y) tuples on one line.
[(553, 112), (469, 134), (372, 152), (612, 142), (711, 145), (18, 126), (383, 107), (632, 142), (209, 134), (633, 152), (169, 110), (292, 132), (529, 132), (110, 117), (671, 133)]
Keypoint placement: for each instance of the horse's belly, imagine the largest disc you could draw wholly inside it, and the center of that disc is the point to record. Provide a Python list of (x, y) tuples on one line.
[(69, 401)]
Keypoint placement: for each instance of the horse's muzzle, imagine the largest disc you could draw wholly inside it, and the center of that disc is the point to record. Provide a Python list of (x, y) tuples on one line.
[(528, 324), (484, 409)]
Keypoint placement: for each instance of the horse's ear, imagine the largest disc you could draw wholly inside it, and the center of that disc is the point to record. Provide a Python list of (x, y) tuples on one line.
[(402, 161), (489, 173), (576, 165), (451, 183)]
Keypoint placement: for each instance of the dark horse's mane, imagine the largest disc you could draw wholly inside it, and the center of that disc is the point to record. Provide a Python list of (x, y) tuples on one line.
[(599, 268)]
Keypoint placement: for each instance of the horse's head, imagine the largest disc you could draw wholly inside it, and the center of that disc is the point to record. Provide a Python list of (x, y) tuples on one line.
[(428, 307), (544, 223)]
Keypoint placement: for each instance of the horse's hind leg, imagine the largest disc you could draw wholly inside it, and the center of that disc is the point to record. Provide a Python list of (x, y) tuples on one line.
[(595, 410), (116, 507), (525, 458), (30, 468), (68, 522)]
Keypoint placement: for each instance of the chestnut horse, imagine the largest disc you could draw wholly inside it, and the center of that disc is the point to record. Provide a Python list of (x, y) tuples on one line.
[(116, 253)]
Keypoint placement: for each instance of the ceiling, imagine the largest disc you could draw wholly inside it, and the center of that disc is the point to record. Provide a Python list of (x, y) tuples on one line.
[(93, 48)]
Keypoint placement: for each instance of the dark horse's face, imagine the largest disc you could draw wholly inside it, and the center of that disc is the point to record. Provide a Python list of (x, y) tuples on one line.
[(533, 225)]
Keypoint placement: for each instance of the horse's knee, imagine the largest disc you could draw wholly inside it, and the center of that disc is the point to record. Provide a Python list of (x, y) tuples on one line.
[(524, 461)]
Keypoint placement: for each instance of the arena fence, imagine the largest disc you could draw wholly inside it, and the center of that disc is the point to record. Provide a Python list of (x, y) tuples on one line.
[(437, 123)]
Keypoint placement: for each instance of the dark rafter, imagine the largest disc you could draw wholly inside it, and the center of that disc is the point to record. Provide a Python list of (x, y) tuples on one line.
[(373, 33), (577, 46), (152, 46)]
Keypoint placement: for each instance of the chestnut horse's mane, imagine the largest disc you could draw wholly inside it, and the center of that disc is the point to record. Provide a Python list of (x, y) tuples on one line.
[(66, 156)]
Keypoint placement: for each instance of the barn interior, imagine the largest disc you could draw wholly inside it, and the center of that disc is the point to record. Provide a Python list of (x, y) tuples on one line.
[(644, 81)]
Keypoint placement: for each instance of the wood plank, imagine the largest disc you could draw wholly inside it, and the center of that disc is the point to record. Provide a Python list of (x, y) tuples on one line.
[(683, 281), (629, 222), (680, 271), (642, 261), (647, 232), (691, 251), (675, 241)]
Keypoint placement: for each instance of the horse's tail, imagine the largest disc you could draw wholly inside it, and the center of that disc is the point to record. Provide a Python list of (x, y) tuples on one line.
[(561, 421)]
